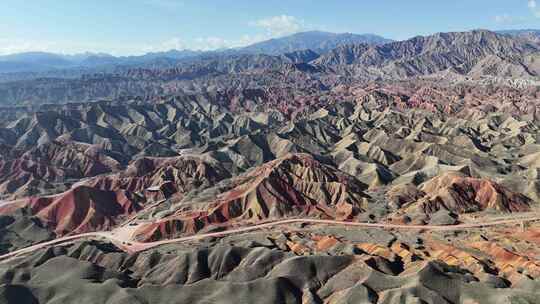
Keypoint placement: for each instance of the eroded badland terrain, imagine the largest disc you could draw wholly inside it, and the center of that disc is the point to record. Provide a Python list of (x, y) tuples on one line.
[(400, 172)]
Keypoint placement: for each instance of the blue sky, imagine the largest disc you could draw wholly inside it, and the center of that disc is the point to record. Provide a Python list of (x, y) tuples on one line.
[(125, 27)]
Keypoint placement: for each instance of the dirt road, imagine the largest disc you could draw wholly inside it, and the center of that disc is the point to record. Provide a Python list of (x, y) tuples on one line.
[(123, 242)]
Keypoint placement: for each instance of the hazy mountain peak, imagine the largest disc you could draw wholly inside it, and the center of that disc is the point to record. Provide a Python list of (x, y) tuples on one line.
[(318, 41)]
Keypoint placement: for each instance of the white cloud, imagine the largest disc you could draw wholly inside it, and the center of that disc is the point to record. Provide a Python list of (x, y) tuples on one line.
[(11, 46), (20, 46), (174, 43), (251, 39), (507, 19), (270, 27), (273, 27), (280, 25), (212, 43), (504, 18), (535, 9), (202, 43)]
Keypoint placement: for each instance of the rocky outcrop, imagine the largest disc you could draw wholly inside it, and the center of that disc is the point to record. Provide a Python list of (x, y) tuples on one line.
[(169, 176), (456, 192), (81, 209), (295, 185)]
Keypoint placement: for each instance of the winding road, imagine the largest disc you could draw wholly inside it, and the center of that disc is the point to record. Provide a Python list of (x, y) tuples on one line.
[(125, 243)]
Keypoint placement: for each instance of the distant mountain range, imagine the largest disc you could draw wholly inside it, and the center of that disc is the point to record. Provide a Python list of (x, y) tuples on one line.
[(42, 62), (530, 34), (316, 41), (320, 42), (419, 55), (478, 55), (479, 51)]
